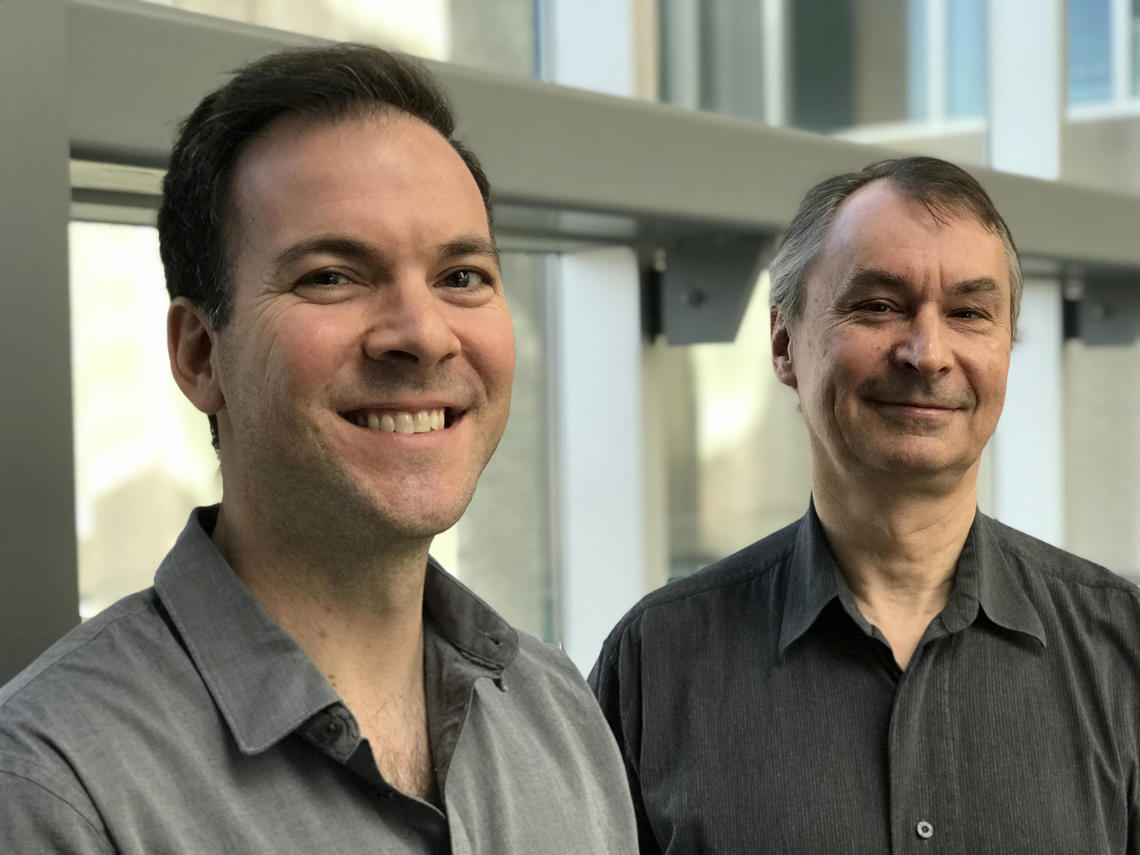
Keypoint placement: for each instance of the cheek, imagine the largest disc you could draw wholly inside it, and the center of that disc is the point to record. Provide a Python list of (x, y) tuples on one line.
[(835, 364), (994, 390), (990, 374), (491, 350), (301, 359)]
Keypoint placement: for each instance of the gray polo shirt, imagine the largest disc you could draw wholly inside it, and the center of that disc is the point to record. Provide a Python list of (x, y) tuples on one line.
[(184, 719), (759, 711)]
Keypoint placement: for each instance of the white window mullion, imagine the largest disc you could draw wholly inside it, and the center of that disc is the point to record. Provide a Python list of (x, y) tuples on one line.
[(1120, 34), (938, 55)]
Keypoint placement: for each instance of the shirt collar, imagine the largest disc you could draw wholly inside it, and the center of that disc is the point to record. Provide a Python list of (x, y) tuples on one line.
[(983, 578), (263, 683), (469, 624), (813, 579)]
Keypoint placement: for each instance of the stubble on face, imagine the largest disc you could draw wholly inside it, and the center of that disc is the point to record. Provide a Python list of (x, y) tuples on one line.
[(307, 494)]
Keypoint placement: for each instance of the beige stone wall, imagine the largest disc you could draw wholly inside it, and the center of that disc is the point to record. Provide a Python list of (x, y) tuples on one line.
[(1102, 454)]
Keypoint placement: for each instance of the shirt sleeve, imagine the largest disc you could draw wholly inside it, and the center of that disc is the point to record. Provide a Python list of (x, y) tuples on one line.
[(615, 681), (33, 818)]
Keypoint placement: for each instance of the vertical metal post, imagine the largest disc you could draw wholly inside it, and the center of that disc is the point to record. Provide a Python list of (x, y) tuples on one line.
[(38, 582)]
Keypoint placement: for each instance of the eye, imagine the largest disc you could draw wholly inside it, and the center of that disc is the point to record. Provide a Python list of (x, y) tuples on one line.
[(968, 314), (465, 278), (323, 279), (876, 307)]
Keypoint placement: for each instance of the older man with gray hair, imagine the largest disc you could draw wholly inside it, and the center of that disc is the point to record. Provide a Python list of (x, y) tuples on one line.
[(895, 672)]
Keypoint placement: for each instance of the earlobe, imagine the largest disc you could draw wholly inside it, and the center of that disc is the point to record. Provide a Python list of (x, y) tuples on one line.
[(190, 344), (782, 349)]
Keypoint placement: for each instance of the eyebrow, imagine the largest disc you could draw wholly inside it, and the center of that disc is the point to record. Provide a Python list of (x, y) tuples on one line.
[(359, 251), (867, 277), (469, 245), (348, 248)]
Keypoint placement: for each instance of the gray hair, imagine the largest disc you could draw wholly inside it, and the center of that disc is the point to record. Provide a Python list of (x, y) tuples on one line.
[(945, 189)]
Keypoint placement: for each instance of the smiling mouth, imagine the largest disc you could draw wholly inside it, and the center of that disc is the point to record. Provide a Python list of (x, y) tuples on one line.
[(915, 405), (911, 409), (401, 421)]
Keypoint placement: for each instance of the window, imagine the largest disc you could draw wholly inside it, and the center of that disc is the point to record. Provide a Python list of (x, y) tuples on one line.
[(493, 35), (737, 447), (1090, 51)]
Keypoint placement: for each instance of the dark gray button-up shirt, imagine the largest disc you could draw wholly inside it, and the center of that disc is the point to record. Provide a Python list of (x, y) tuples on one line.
[(758, 711), (183, 719)]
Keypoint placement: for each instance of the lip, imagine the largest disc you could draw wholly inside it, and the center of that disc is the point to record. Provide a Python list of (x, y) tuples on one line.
[(452, 415), (915, 408), (402, 406)]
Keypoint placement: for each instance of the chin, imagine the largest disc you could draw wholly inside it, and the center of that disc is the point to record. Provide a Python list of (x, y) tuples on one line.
[(422, 527), (925, 468), (416, 519)]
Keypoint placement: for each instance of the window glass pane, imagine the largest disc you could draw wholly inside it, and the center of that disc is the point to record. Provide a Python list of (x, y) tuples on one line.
[(1102, 123), (143, 457), (823, 72), (1090, 51), (503, 541), (1135, 23), (905, 74), (142, 453), (918, 68), (494, 35), (966, 59), (737, 447)]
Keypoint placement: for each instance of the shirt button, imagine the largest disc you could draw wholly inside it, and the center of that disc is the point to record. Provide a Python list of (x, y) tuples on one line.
[(925, 830), (332, 729)]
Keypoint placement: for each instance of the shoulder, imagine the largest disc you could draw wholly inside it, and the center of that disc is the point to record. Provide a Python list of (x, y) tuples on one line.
[(59, 713), (1056, 567), (1082, 605), (85, 697), (548, 671), (81, 655), (551, 700), (717, 587)]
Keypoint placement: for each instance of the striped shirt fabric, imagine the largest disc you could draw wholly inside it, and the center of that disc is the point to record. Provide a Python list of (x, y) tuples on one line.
[(758, 711)]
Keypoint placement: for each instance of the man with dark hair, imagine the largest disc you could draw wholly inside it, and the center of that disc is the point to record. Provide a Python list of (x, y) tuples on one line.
[(895, 672), (302, 677)]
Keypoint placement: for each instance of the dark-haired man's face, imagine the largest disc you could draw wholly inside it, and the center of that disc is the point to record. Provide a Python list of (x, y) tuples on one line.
[(901, 355), (367, 366)]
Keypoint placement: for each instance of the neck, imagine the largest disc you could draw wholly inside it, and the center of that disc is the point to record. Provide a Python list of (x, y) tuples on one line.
[(358, 617), (897, 548)]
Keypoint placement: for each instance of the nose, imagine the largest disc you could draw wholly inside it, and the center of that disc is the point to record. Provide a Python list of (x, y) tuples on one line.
[(922, 345), (409, 324)]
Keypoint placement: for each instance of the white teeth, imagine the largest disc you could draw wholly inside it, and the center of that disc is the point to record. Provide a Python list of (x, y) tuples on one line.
[(423, 421)]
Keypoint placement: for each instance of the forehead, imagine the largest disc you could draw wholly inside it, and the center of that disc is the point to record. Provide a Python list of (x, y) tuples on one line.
[(879, 228), (300, 173)]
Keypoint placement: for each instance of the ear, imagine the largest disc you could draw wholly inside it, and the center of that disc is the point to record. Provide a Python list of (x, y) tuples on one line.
[(782, 361), (190, 343)]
